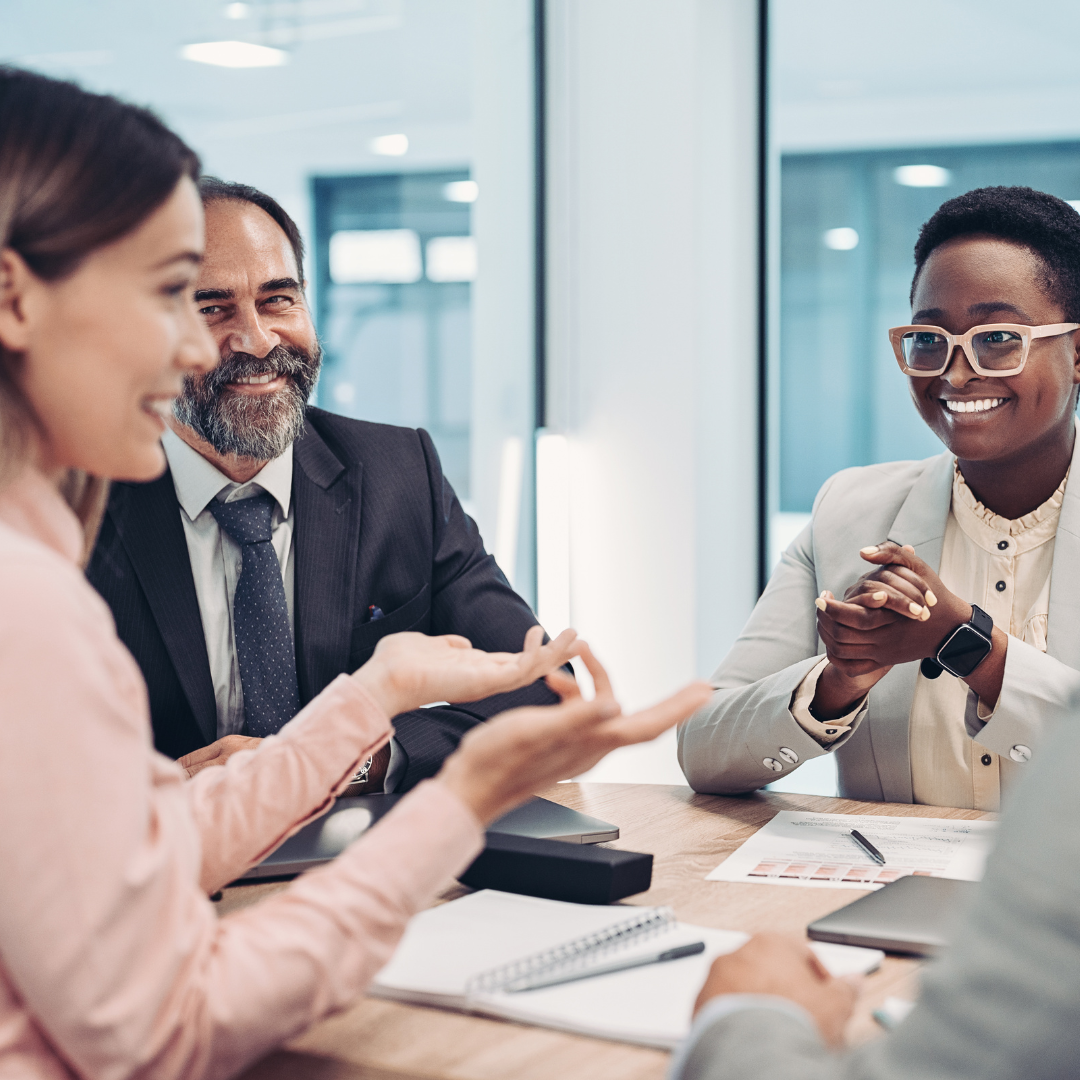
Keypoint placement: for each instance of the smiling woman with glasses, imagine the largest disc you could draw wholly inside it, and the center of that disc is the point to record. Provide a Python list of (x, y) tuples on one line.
[(924, 625)]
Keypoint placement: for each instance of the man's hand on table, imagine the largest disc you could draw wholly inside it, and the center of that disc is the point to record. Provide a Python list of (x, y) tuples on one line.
[(784, 967), (217, 753)]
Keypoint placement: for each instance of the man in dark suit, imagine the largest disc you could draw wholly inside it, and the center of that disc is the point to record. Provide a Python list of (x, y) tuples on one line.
[(284, 542)]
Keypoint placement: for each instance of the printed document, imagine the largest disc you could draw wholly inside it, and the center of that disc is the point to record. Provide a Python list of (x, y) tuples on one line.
[(816, 850)]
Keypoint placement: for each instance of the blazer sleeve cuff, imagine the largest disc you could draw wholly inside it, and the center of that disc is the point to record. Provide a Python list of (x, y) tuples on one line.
[(826, 732), (726, 1040), (1037, 692)]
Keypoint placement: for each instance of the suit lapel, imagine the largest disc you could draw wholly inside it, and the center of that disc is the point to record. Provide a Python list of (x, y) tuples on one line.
[(920, 522), (327, 536), (147, 520), (1063, 625)]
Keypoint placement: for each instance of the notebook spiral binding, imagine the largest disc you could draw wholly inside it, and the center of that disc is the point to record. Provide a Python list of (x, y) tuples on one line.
[(574, 953)]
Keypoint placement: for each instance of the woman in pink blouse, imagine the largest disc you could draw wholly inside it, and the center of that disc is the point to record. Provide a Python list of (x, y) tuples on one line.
[(112, 961)]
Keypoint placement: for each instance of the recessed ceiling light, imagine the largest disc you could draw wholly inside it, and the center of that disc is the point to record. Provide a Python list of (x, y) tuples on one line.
[(235, 54), (461, 191), (922, 176), (237, 11), (840, 239), (390, 145)]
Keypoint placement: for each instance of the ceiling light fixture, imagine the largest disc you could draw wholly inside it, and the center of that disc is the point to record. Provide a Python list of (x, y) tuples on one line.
[(844, 239), (235, 54), (461, 191), (922, 176), (237, 11), (390, 145)]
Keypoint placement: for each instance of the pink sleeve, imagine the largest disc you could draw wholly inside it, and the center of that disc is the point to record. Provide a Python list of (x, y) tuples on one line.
[(109, 947), (259, 798)]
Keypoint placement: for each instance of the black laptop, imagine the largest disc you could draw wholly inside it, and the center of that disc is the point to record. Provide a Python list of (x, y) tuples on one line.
[(325, 838)]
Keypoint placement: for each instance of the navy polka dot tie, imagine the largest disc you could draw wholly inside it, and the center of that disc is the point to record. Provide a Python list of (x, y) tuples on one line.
[(264, 642)]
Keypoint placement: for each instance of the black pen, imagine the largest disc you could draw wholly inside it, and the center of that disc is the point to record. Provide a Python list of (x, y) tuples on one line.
[(619, 965), (867, 847)]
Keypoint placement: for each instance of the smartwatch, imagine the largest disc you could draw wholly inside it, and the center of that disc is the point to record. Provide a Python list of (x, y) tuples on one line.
[(964, 649)]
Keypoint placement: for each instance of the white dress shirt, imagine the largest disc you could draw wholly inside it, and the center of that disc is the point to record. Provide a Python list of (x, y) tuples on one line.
[(1004, 567), (216, 561)]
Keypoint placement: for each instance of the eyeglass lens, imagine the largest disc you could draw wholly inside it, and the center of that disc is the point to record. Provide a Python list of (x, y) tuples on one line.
[(995, 350)]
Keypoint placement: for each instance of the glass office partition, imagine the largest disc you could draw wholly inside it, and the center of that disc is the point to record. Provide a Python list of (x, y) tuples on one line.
[(394, 260)]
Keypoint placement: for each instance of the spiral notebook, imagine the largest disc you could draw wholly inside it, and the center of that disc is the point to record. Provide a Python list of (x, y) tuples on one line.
[(470, 954)]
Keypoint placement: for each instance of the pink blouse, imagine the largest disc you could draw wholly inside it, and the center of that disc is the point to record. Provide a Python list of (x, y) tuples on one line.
[(113, 963)]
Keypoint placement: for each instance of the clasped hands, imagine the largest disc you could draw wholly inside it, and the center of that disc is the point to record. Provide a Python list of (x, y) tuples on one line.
[(898, 612)]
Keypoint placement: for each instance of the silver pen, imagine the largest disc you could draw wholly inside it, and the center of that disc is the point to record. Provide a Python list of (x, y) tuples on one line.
[(619, 965), (867, 847)]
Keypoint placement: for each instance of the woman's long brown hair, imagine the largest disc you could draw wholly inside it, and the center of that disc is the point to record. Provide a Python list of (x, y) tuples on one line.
[(77, 171)]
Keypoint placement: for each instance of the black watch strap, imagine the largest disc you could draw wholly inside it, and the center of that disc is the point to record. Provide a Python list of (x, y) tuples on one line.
[(982, 622)]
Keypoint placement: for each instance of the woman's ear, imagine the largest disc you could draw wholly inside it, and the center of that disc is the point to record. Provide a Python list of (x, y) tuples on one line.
[(1076, 355), (16, 280)]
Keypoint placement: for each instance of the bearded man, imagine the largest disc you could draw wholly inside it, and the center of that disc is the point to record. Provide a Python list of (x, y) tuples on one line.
[(284, 542)]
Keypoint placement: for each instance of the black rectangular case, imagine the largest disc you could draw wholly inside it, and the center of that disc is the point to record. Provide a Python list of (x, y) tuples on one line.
[(580, 873)]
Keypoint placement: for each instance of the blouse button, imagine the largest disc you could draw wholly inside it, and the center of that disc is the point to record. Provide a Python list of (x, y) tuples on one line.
[(1000, 586), (1002, 545), (772, 764)]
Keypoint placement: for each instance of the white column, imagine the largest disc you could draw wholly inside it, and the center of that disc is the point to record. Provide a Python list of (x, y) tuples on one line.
[(652, 300), (503, 407)]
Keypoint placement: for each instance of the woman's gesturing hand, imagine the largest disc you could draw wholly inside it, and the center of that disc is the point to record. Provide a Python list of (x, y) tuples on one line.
[(409, 670), (501, 763)]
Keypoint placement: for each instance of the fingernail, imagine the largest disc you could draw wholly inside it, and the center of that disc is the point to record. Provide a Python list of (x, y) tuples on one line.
[(824, 594), (909, 549), (872, 550), (925, 614), (931, 599), (820, 604), (916, 609)]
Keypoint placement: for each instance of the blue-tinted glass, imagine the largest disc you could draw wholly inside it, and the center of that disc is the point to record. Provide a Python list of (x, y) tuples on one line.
[(397, 352)]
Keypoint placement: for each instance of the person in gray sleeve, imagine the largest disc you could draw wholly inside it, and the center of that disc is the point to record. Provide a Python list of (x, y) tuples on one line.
[(1003, 1002), (923, 627)]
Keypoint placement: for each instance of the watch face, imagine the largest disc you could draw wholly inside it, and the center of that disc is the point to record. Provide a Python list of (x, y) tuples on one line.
[(964, 651)]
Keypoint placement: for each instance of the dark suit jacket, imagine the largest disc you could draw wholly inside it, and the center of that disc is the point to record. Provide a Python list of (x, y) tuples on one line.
[(375, 523)]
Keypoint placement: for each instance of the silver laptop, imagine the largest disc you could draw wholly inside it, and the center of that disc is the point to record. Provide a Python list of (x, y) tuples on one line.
[(324, 839), (911, 915)]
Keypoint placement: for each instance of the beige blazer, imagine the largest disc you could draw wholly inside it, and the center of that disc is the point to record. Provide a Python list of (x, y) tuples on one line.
[(722, 748)]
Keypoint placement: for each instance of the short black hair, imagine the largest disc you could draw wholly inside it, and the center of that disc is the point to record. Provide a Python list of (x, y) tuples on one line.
[(1044, 224), (212, 188)]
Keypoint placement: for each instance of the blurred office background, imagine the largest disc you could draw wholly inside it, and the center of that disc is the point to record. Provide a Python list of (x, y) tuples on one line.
[(631, 262)]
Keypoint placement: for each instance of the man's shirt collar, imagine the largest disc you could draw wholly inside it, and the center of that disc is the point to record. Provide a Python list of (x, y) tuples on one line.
[(198, 482)]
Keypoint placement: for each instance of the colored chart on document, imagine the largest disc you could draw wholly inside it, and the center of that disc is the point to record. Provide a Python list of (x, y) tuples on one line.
[(817, 851)]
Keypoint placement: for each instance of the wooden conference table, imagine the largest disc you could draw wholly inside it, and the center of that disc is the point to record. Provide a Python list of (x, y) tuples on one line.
[(689, 835)]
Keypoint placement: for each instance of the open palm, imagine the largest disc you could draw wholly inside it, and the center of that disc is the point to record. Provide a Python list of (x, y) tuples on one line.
[(409, 670)]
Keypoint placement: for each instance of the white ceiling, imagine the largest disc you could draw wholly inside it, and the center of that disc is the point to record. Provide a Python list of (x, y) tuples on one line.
[(860, 73), (366, 68)]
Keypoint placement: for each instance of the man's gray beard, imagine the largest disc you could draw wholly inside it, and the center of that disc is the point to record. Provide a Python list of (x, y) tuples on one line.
[(256, 426)]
